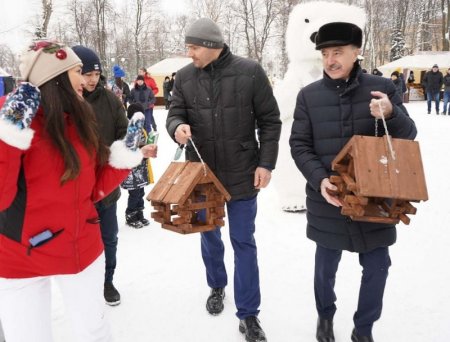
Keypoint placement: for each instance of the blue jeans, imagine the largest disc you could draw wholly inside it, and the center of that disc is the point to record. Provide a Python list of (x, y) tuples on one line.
[(149, 123), (446, 100), (431, 97), (375, 271), (135, 200), (110, 229), (241, 219)]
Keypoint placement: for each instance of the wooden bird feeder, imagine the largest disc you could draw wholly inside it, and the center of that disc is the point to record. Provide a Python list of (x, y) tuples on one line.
[(375, 187), (182, 192)]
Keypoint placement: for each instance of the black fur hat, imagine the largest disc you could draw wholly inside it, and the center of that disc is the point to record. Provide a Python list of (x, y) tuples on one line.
[(338, 34)]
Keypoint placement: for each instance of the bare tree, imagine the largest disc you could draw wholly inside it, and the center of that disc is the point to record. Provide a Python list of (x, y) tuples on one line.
[(81, 15), (100, 37), (160, 33), (8, 60), (423, 35), (142, 34), (231, 28), (445, 24), (369, 39), (178, 29), (47, 9), (283, 9), (208, 8), (257, 17), (140, 31)]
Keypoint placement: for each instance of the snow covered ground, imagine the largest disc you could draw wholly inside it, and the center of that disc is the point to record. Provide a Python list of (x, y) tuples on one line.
[(162, 281)]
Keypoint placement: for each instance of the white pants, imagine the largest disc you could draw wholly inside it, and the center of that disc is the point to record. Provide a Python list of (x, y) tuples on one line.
[(2, 337), (25, 306)]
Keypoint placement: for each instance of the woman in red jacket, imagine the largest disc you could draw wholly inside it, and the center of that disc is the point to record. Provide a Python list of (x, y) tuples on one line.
[(52, 169)]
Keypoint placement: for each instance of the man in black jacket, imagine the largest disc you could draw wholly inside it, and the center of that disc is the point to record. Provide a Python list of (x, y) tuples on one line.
[(328, 113), (432, 82), (113, 122), (218, 101)]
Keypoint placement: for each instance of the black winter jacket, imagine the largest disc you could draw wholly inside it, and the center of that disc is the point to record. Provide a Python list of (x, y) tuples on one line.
[(328, 113), (447, 82), (223, 103), (112, 122), (398, 87), (432, 81), (143, 95)]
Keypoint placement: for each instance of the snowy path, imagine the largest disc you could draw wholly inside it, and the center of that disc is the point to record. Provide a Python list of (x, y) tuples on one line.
[(161, 277)]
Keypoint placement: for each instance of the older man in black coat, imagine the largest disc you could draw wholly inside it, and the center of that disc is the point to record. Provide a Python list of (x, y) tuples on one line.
[(328, 113)]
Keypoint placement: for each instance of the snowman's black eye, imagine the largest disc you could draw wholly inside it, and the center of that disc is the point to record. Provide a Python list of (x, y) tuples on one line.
[(306, 20)]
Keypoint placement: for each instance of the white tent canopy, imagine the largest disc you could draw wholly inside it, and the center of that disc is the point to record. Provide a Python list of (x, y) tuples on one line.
[(169, 65), (165, 68), (423, 61)]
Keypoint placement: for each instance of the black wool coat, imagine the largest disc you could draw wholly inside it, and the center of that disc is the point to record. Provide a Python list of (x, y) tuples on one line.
[(432, 81), (223, 103), (112, 123), (327, 114)]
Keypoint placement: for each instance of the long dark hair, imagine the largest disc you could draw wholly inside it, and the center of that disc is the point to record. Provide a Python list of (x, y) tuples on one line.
[(58, 97)]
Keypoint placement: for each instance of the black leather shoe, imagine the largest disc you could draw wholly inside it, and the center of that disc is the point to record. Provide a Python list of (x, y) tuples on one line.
[(359, 338), (325, 330), (214, 303), (252, 329)]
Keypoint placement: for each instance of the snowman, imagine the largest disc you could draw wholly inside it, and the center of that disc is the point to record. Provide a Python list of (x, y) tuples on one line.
[(305, 66)]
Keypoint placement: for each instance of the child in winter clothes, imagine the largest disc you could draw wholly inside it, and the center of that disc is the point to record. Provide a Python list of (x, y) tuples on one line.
[(144, 95), (119, 86), (138, 178)]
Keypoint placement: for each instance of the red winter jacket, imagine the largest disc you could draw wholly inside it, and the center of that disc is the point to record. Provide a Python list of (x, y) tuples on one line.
[(150, 82), (32, 200)]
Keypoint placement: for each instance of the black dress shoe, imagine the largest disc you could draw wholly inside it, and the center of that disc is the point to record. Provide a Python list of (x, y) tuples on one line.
[(214, 303), (325, 330), (359, 338), (252, 329)]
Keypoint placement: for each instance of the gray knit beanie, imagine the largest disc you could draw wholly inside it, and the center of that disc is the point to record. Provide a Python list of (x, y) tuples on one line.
[(204, 32)]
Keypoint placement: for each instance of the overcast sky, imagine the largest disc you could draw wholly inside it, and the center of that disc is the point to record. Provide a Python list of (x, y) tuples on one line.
[(16, 18)]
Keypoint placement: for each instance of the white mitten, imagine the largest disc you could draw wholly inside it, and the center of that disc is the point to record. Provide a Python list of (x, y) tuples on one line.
[(125, 153)]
